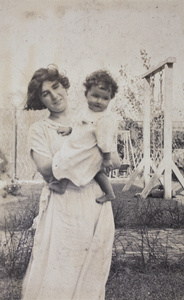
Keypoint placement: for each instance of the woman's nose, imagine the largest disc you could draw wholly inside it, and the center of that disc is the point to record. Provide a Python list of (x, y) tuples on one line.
[(53, 95)]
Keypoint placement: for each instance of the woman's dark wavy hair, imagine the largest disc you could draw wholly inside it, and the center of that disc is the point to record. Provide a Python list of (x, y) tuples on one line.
[(35, 86), (104, 80)]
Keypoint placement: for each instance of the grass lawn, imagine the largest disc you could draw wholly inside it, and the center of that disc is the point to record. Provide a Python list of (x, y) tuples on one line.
[(131, 284), (154, 279), (132, 278), (133, 212)]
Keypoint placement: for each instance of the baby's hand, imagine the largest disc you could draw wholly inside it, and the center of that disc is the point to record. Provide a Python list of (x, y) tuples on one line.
[(64, 130), (107, 165)]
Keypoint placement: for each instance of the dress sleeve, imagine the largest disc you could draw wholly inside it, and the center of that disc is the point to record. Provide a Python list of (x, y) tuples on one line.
[(106, 133), (38, 141)]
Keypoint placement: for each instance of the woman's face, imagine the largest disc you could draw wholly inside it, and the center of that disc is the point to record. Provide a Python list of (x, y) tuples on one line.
[(53, 96)]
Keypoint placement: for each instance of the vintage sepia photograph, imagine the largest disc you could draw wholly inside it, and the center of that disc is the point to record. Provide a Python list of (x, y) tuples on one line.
[(92, 150)]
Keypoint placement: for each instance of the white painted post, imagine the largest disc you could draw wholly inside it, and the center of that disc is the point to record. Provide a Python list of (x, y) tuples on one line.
[(168, 130), (146, 130), (146, 162), (15, 145)]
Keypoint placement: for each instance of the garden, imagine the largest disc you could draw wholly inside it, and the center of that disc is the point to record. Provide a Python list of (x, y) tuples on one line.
[(148, 251)]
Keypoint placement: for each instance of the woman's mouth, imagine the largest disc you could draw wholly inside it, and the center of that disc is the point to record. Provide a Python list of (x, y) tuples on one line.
[(57, 101)]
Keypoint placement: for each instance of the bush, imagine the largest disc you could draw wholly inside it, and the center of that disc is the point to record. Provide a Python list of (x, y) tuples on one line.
[(13, 188), (132, 212), (3, 163), (15, 252), (17, 242)]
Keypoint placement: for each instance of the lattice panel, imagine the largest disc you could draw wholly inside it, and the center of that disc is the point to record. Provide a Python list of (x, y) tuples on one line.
[(157, 156), (157, 117), (138, 155)]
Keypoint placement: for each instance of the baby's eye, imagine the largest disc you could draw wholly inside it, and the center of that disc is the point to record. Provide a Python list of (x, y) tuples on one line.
[(95, 96), (55, 86)]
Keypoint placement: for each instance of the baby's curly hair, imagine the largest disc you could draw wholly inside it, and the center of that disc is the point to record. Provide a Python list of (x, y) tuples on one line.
[(104, 80), (35, 86)]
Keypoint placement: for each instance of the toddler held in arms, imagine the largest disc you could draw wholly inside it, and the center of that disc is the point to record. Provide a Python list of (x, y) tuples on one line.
[(90, 151)]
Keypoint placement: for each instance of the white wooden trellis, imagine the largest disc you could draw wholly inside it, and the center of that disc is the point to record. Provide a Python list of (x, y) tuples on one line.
[(166, 165), (128, 159)]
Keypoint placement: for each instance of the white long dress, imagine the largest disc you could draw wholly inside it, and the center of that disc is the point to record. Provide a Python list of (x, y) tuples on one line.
[(72, 249)]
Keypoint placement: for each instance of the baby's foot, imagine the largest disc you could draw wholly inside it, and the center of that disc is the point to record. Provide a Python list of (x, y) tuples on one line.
[(105, 198)]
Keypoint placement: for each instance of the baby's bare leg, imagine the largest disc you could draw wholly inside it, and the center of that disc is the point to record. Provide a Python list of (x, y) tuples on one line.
[(59, 186), (106, 187)]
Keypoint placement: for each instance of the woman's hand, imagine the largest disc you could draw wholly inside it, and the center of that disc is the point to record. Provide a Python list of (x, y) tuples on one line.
[(64, 130)]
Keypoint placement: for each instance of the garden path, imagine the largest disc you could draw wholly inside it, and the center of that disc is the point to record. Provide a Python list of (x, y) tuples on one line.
[(152, 243)]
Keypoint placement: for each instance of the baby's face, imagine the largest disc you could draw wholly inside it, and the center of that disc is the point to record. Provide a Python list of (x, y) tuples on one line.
[(98, 99)]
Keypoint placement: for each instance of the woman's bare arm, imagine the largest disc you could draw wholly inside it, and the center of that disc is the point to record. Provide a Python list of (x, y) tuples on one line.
[(44, 166)]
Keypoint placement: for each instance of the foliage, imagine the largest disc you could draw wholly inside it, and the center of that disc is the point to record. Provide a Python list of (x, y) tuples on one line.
[(132, 212), (144, 264), (157, 136), (136, 135), (16, 251), (17, 240), (3, 163), (129, 105), (131, 277), (146, 59), (129, 100), (13, 188), (178, 140), (19, 214), (127, 281)]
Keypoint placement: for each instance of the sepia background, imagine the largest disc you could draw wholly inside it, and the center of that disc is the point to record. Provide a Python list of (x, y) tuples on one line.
[(80, 36)]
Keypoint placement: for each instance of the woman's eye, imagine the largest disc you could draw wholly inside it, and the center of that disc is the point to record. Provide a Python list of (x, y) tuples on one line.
[(55, 86), (45, 94)]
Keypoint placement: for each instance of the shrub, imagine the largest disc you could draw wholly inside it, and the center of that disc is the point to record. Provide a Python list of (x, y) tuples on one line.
[(3, 163), (13, 188)]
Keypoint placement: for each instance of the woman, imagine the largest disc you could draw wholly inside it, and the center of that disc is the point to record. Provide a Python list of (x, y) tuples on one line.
[(72, 248)]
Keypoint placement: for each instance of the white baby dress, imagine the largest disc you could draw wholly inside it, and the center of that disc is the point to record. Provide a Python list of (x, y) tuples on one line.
[(80, 157)]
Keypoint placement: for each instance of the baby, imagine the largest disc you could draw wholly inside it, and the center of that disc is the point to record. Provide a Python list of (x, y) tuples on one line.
[(90, 150)]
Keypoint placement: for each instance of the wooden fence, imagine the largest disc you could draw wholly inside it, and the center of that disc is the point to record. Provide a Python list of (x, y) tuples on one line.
[(14, 124)]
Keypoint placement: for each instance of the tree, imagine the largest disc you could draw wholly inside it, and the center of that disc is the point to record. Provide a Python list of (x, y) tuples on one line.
[(130, 100), (146, 59), (129, 103)]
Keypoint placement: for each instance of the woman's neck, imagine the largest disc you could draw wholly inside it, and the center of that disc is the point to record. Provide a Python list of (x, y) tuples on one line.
[(63, 117)]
